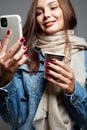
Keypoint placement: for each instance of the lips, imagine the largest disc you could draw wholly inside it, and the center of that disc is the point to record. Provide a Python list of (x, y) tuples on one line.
[(49, 23)]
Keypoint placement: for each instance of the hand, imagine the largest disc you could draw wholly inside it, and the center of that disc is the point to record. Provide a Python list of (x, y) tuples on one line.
[(11, 60), (61, 75), (15, 56), (4, 43)]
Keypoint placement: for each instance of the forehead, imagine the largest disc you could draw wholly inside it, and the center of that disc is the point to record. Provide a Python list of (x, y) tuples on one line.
[(45, 2)]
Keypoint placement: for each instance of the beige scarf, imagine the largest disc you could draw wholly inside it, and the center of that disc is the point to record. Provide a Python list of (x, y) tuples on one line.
[(52, 101), (56, 42)]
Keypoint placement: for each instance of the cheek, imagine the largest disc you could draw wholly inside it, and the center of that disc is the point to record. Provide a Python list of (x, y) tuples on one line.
[(39, 21), (60, 14), (62, 22), (61, 19)]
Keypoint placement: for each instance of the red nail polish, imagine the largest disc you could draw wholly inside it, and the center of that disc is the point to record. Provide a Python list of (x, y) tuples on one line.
[(53, 60), (25, 47), (8, 32), (47, 70), (22, 39), (48, 78), (48, 63), (26, 55)]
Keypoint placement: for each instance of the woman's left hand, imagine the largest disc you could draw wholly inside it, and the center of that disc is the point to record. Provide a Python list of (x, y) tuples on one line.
[(61, 75)]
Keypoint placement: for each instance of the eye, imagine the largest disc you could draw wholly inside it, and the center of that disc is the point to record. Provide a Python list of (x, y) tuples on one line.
[(38, 13), (54, 7)]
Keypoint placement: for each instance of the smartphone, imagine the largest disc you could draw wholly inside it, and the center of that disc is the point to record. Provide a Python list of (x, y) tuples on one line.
[(13, 22)]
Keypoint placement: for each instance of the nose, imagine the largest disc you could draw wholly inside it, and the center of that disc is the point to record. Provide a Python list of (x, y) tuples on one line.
[(47, 13)]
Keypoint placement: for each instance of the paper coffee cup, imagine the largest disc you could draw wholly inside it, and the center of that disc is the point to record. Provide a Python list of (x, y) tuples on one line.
[(49, 56)]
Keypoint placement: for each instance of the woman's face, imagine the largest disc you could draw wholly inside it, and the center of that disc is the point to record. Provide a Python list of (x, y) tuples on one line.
[(49, 16)]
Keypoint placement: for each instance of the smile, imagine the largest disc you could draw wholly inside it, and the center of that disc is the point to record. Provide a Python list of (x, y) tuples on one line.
[(49, 23)]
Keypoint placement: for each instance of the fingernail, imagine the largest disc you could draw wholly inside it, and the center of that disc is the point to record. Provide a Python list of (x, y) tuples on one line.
[(48, 78), (22, 39), (48, 63), (8, 32), (47, 70), (53, 60), (26, 55), (25, 47)]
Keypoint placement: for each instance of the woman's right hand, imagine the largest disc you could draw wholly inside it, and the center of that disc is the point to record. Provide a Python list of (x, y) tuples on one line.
[(12, 59)]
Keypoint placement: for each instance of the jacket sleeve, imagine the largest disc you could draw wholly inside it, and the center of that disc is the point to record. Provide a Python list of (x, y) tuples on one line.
[(13, 102), (76, 105)]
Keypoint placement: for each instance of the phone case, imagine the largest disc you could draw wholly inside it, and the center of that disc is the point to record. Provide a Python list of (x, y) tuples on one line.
[(14, 23)]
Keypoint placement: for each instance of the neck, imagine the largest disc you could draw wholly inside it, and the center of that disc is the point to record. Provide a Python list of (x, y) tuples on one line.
[(59, 33)]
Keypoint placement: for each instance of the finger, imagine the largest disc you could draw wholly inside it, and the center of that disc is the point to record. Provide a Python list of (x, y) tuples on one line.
[(0, 43), (17, 56), (13, 50), (1, 51), (61, 64), (57, 76), (5, 41), (23, 59), (65, 87), (68, 73), (19, 63)]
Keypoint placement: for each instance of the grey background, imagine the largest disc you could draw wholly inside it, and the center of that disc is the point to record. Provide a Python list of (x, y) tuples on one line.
[(21, 7)]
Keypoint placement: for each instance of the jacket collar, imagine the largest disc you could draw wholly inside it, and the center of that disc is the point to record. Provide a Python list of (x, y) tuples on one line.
[(41, 57)]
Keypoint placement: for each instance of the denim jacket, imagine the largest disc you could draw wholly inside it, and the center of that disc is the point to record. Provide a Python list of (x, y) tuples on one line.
[(19, 99)]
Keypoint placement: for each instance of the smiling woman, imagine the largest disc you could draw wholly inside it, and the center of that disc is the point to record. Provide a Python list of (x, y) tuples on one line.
[(49, 16), (58, 101)]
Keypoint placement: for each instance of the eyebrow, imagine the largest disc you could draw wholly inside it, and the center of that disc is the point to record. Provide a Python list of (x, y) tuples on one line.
[(52, 2), (39, 7)]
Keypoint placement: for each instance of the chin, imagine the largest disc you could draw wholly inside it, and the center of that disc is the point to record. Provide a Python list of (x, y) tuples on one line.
[(51, 32)]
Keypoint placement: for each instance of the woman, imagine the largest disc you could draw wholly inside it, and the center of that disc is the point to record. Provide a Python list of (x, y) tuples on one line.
[(28, 101)]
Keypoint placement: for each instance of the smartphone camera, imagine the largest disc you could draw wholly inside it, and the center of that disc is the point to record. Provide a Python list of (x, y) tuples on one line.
[(3, 22)]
